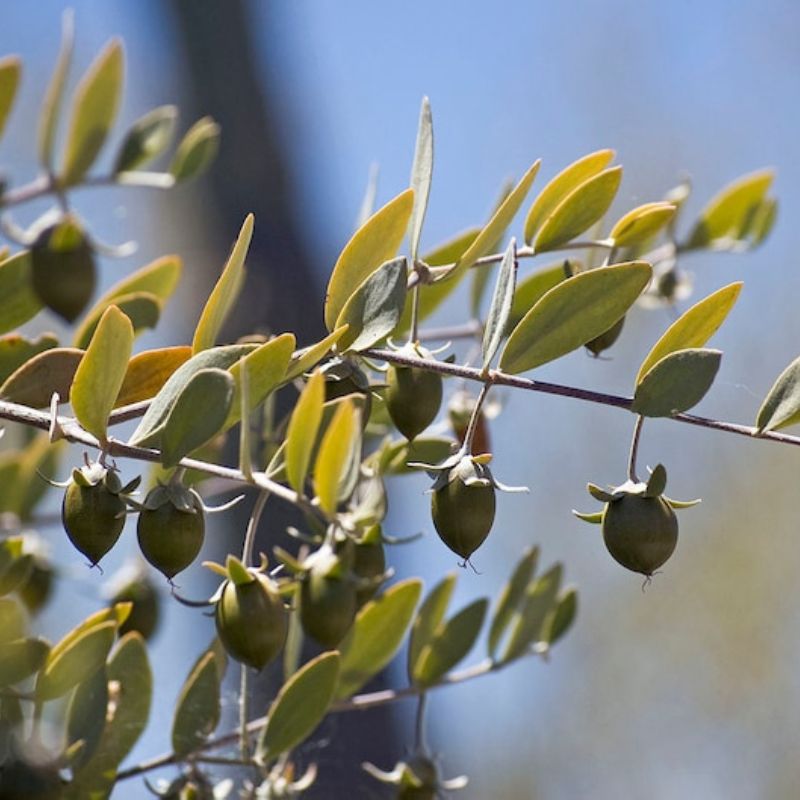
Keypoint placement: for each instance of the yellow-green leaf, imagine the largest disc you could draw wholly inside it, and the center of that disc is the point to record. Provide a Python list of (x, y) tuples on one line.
[(21, 658), (94, 109), (781, 406), (307, 358), (198, 707), (641, 224), (143, 309), (676, 383), (560, 186), (302, 433), (18, 301), (494, 229), (533, 287), (35, 381), (10, 69), (225, 293), (573, 313), (375, 242), (51, 106), (146, 139), (376, 635), (335, 454), (197, 150), (99, 376), (579, 210), (15, 350), (300, 706), (428, 619), (148, 371), (694, 327)]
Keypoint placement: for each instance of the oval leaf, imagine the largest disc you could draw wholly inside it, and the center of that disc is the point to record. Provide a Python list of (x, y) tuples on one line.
[(676, 383), (533, 287), (640, 224), (198, 414), (16, 350), (781, 406), (511, 597), (421, 172), (148, 371), (302, 432), (141, 308), (335, 455), (429, 617), (10, 69), (579, 210), (573, 313), (34, 383), (300, 706), (147, 138), (562, 617), (376, 635), (197, 150), (18, 301), (375, 242), (198, 707), (86, 715), (20, 659), (51, 106), (93, 111), (100, 373)]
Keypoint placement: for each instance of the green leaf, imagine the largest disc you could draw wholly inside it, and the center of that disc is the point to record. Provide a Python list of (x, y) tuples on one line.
[(428, 619), (573, 313), (562, 618), (299, 707), (94, 109), (198, 414), (781, 406), (35, 381), (726, 218), (579, 210), (335, 455), (148, 371), (694, 327), (451, 642), (16, 350), (376, 635), (302, 433), (158, 279), (152, 423), (530, 617), (511, 597), (141, 308), (676, 383), (40, 457), (560, 186), (67, 666), (225, 293), (641, 223), (394, 458), (10, 69), (307, 358), (100, 373), (533, 287), (19, 659), (375, 308), (498, 224), (375, 242), (196, 151), (86, 715), (51, 106), (18, 301), (266, 369), (198, 707), (500, 309), (146, 139), (421, 173)]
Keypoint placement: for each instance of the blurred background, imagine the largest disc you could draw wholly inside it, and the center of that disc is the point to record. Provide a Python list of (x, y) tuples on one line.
[(685, 690)]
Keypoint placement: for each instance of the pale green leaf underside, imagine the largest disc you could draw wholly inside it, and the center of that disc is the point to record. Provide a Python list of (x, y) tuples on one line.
[(198, 708), (781, 406), (421, 173)]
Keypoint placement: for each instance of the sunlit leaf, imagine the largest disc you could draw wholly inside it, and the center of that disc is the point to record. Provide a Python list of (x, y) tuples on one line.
[(302, 432), (146, 139), (18, 301), (300, 706), (511, 597), (500, 309), (376, 635), (196, 151), (375, 242), (532, 287), (148, 371), (35, 381), (640, 224), (676, 383), (101, 371), (579, 210), (573, 313), (394, 459), (16, 350), (308, 358), (94, 109), (141, 308), (560, 186), (10, 69), (335, 454), (421, 172), (694, 327), (781, 406), (198, 708)]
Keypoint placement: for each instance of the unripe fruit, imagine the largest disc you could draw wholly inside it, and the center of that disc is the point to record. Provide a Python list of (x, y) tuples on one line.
[(63, 269), (133, 584), (93, 512), (171, 536), (606, 339), (327, 607), (463, 513), (251, 621), (370, 564), (640, 532), (413, 396)]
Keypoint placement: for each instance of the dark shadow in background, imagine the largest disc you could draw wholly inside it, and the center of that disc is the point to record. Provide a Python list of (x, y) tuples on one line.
[(283, 289)]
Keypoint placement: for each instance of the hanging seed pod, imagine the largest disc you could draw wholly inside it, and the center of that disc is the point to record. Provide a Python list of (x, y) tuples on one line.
[(63, 268), (171, 528), (93, 510), (413, 396), (250, 616), (416, 779)]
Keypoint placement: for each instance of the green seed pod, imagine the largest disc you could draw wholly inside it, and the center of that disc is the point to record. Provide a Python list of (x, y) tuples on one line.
[(93, 511), (63, 268), (413, 396), (606, 339), (132, 584), (640, 532), (171, 528), (463, 507), (369, 564), (251, 620)]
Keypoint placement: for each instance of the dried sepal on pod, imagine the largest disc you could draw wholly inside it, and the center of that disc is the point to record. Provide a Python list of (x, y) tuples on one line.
[(416, 778)]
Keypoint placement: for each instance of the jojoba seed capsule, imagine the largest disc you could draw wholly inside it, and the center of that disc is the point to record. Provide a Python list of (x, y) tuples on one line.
[(170, 537), (327, 607), (251, 621), (63, 269), (370, 563), (413, 396), (606, 339), (640, 532), (93, 516)]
